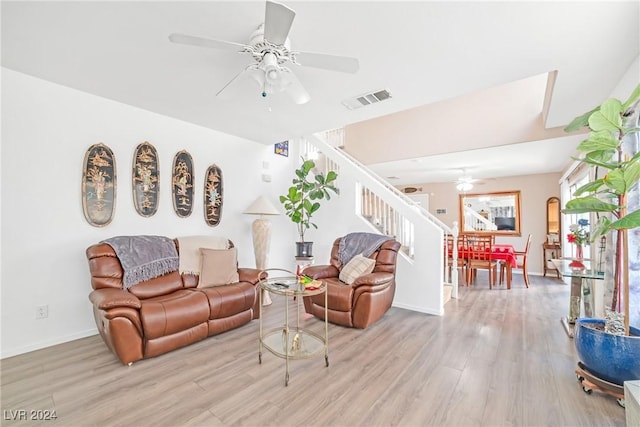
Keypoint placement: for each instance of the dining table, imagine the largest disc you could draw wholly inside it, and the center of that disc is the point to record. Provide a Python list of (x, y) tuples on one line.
[(506, 253)]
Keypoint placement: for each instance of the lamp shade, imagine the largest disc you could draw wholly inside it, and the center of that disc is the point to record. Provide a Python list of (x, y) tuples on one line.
[(261, 206)]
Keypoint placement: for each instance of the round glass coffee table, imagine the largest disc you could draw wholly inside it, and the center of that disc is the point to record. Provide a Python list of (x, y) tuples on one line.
[(291, 341)]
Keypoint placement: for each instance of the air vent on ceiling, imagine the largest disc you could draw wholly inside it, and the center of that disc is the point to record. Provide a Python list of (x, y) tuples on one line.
[(366, 99)]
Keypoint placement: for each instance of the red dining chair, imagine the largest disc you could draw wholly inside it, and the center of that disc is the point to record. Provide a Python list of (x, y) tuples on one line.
[(479, 257), (521, 263)]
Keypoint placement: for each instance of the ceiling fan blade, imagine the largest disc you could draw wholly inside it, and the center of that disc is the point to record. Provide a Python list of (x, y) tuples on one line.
[(294, 88), (277, 22), (242, 75), (206, 42), (343, 64)]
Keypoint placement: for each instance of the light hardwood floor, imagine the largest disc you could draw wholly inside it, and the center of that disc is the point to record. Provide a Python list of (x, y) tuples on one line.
[(496, 358)]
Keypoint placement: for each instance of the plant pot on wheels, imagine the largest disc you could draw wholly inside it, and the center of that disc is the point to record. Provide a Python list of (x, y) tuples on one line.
[(613, 358)]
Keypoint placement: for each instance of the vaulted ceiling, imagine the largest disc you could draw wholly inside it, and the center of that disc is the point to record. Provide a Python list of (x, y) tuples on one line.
[(422, 52)]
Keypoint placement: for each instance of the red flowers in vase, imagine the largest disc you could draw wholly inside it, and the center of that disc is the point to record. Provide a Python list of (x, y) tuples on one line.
[(579, 236)]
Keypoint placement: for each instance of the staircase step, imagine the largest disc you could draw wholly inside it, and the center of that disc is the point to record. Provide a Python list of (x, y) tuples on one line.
[(446, 294)]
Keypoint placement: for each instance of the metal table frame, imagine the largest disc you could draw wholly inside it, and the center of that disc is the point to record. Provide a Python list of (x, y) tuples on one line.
[(581, 287), (295, 342)]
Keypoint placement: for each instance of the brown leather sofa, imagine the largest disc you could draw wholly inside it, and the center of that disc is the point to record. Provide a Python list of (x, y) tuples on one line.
[(165, 313), (366, 300)]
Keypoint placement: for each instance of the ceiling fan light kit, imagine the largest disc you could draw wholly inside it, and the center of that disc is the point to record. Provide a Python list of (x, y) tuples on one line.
[(465, 182), (269, 46), (464, 186)]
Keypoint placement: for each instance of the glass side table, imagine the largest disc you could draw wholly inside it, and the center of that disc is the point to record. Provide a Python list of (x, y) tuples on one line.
[(582, 278), (290, 341)]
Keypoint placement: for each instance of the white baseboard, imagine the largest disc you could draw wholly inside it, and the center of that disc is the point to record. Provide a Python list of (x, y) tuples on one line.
[(418, 309), (48, 343)]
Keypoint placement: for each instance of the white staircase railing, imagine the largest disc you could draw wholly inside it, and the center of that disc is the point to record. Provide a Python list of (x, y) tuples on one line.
[(386, 219), (385, 207), (474, 221)]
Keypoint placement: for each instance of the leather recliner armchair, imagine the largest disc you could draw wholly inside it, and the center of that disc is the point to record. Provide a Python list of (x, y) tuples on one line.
[(366, 300)]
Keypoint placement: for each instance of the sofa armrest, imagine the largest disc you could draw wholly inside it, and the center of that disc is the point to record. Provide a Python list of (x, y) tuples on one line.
[(321, 271), (251, 275), (108, 298), (377, 281)]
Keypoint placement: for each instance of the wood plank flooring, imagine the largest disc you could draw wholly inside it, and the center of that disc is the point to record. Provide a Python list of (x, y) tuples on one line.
[(497, 358)]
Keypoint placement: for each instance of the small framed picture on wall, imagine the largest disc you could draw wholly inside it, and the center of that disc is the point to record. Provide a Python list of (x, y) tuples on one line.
[(282, 148)]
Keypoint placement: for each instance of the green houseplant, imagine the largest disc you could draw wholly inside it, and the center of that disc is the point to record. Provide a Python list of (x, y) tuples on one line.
[(303, 200), (609, 356), (603, 149)]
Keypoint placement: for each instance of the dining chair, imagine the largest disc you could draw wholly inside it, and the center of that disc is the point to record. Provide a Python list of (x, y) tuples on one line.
[(521, 262), (480, 257)]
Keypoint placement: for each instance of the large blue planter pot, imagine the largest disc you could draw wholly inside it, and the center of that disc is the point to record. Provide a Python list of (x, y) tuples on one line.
[(613, 358)]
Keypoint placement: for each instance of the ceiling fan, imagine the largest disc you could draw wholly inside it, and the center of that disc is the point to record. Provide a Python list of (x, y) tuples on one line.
[(270, 48), (465, 182)]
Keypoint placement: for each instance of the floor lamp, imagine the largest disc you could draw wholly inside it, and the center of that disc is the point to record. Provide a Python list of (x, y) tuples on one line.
[(261, 229)]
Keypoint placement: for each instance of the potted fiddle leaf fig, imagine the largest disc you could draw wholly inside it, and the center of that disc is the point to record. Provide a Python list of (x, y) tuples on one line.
[(303, 200), (610, 356)]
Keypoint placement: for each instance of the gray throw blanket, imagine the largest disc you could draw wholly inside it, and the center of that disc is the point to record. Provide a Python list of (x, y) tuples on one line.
[(359, 243), (144, 257)]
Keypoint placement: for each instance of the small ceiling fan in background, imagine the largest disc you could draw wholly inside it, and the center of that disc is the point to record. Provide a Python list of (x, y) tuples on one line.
[(270, 48)]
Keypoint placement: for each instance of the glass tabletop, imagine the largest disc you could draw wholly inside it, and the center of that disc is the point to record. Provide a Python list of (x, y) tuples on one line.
[(570, 267), (284, 282)]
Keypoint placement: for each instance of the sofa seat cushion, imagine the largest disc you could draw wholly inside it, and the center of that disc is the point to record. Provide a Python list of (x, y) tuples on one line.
[(228, 300), (171, 313), (339, 295)]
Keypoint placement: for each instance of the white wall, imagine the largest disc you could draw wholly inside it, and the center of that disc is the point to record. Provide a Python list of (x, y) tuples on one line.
[(628, 82), (46, 130)]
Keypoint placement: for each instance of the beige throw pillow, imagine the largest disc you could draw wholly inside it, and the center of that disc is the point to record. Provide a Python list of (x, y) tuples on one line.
[(190, 256), (219, 267), (358, 266)]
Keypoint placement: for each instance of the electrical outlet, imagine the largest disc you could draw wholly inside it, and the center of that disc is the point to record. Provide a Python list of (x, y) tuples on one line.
[(42, 312)]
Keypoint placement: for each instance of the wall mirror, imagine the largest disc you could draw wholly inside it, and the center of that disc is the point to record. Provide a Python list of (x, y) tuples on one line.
[(553, 216), (490, 213)]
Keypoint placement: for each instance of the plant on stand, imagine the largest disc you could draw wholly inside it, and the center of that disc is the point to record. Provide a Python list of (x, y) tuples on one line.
[(303, 200), (608, 198)]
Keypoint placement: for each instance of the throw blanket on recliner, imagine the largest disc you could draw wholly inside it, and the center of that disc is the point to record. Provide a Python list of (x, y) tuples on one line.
[(359, 243), (144, 257)]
